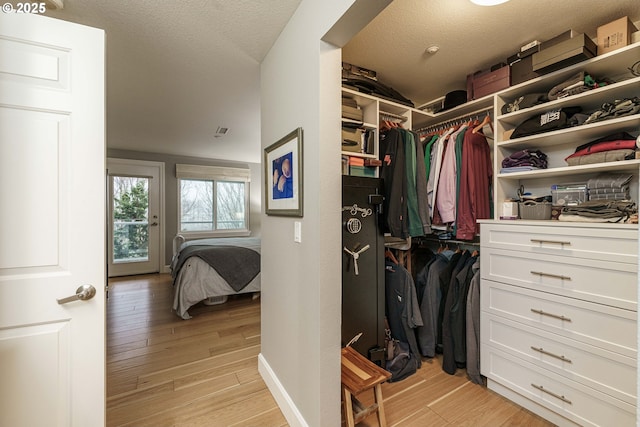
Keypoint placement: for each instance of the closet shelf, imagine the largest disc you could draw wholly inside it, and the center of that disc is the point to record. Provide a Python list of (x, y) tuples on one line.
[(624, 165), (363, 125), (592, 99), (612, 65), (421, 119), (363, 155), (580, 134)]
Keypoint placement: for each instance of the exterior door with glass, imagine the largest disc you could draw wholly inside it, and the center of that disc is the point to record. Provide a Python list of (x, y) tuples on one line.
[(134, 216)]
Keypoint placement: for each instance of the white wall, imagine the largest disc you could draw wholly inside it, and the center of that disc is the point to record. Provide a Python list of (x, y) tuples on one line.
[(302, 282)]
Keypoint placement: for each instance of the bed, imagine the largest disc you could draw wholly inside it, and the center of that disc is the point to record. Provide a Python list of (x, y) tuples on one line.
[(208, 269)]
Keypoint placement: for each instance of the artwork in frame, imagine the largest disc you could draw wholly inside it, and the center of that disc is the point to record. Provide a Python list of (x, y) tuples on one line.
[(283, 175)]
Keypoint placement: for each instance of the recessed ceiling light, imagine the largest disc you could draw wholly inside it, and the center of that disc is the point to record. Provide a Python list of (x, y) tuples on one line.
[(488, 2)]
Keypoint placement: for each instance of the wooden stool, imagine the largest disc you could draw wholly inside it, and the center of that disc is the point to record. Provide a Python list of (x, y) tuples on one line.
[(360, 374)]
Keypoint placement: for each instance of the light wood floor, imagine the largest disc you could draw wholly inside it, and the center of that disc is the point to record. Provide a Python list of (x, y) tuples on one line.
[(165, 371)]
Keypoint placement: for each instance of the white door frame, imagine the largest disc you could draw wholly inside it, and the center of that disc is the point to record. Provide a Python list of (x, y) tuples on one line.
[(113, 167)]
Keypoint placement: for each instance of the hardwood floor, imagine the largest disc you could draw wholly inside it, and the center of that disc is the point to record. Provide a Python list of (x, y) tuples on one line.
[(165, 371)]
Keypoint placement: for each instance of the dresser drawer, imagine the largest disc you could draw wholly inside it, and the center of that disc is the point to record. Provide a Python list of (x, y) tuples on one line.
[(605, 243), (610, 328), (608, 372), (606, 282), (570, 399)]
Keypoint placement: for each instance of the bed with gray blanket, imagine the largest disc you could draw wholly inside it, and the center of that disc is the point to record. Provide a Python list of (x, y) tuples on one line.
[(208, 268)]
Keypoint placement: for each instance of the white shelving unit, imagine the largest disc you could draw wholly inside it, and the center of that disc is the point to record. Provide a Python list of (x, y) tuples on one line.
[(375, 109), (557, 145)]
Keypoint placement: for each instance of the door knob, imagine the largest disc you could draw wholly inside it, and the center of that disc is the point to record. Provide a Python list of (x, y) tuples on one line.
[(83, 293), (153, 224)]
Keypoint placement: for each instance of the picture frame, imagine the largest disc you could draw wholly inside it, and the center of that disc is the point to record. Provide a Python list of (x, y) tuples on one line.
[(284, 175)]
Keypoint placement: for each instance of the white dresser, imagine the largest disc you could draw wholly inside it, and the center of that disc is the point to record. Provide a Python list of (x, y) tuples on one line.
[(558, 318)]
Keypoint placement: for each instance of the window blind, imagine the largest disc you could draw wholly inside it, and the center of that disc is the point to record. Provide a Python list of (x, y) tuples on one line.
[(212, 173)]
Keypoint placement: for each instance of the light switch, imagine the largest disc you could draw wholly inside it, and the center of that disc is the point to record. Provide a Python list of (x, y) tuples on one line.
[(297, 231)]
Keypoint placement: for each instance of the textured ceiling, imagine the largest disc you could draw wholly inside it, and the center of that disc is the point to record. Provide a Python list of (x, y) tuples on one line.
[(177, 70), (470, 37)]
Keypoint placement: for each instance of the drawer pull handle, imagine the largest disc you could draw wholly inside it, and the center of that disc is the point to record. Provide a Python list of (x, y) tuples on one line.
[(557, 396), (541, 350), (556, 276), (553, 242), (555, 316)]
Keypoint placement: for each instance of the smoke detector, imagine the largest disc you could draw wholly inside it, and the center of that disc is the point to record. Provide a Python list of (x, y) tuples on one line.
[(433, 49)]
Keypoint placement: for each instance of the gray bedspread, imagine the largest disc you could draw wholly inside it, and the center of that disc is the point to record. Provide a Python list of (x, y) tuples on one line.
[(237, 265)]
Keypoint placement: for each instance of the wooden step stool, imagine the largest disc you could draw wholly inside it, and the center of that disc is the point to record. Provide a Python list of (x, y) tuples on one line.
[(360, 374)]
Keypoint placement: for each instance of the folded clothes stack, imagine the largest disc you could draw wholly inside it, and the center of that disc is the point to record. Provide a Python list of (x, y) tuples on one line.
[(576, 84), (609, 187), (600, 211), (615, 109), (524, 160), (615, 147)]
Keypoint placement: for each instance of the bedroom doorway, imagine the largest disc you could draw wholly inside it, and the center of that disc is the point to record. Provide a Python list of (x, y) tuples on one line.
[(134, 216)]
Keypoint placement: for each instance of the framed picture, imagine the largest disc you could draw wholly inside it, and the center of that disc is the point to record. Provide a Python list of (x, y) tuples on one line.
[(283, 175)]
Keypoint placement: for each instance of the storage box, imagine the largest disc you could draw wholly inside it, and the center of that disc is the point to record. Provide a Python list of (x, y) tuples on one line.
[(362, 171), (522, 70), (567, 35), (563, 54), (615, 35), (509, 210), (534, 210), (568, 197), (352, 140), (490, 82)]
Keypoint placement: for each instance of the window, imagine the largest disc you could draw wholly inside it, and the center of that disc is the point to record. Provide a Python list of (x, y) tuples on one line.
[(213, 200)]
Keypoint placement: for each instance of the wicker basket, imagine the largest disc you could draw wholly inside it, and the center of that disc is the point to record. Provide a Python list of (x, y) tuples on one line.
[(535, 210)]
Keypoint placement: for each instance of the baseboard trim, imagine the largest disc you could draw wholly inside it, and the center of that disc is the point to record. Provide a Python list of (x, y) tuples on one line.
[(282, 398)]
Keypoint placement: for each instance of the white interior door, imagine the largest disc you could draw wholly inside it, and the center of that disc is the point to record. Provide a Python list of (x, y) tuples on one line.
[(52, 216), (134, 216)]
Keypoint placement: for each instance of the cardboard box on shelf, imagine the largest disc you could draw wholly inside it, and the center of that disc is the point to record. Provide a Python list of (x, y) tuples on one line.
[(567, 35), (485, 83), (615, 34), (562, 54), (522, 70)]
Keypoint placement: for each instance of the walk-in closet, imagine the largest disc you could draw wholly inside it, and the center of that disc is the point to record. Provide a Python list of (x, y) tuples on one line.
[(490, 209)]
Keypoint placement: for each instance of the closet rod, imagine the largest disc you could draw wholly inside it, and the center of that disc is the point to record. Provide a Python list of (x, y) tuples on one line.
[(392, 116), (426, 241), (487, 110)]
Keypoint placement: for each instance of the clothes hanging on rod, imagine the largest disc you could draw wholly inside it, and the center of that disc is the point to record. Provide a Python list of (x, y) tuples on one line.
[(403, 172), (449, 306), (384, 115), (402, 311), (459, 180), (455, 121)]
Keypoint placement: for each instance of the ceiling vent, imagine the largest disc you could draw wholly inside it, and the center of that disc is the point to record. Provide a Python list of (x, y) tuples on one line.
[(221, 131)]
